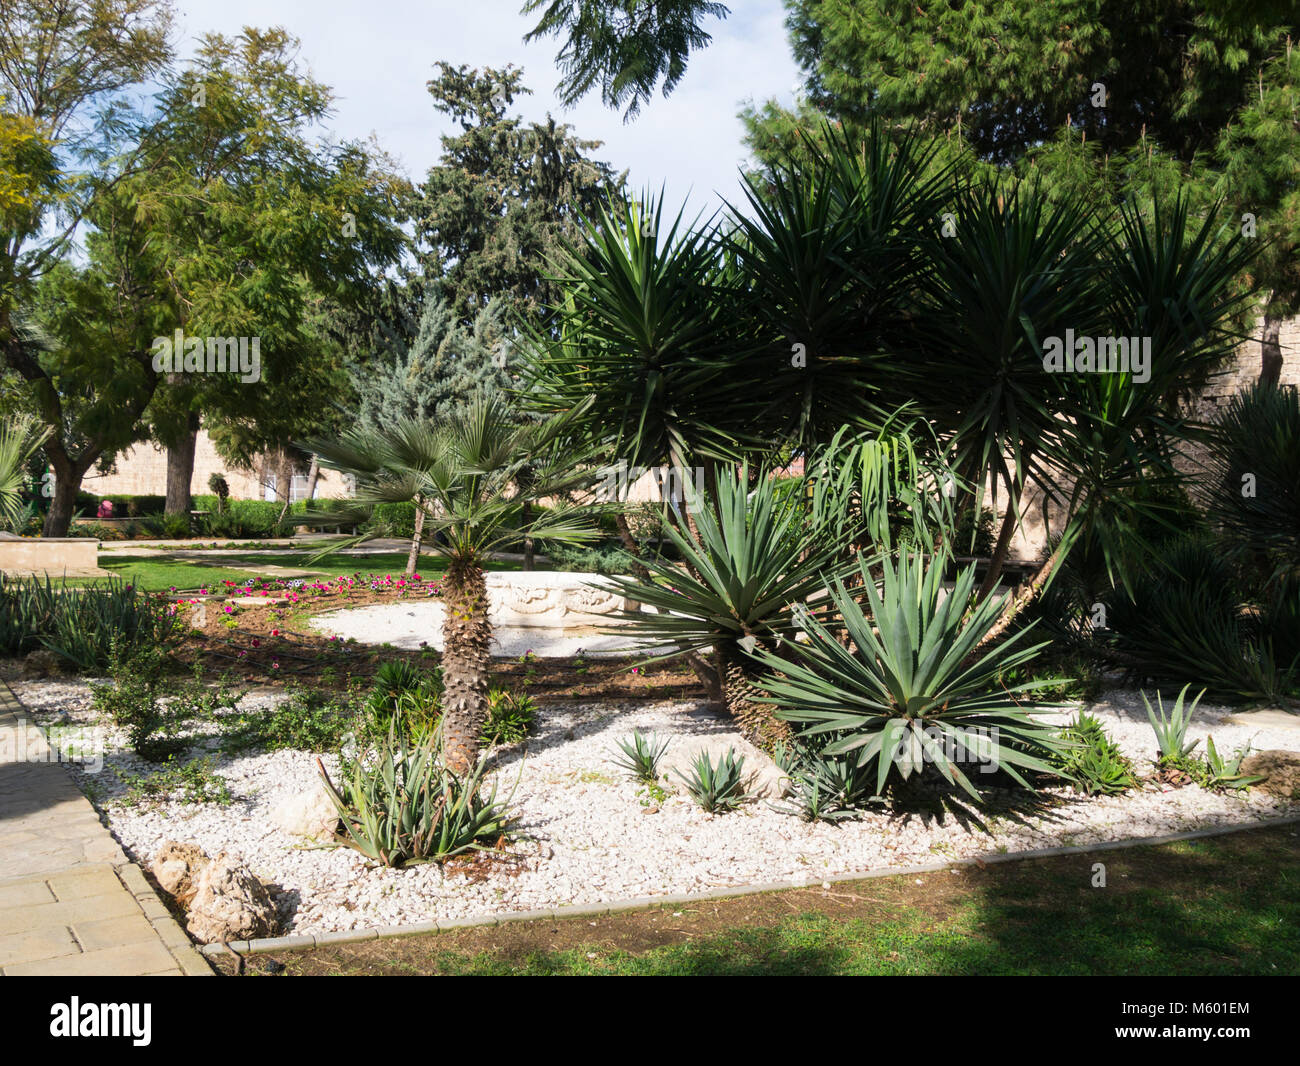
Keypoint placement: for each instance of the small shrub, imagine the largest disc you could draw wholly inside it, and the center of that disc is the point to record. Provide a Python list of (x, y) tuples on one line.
[(307, 721), (1092, 761), (402, 806), (134, 702), (825, 788), (641, 753), (167, 526), (189, 782), (719, 786)]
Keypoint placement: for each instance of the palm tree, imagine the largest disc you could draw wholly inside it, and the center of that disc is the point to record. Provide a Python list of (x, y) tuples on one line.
[(19, 440), (474, 476)]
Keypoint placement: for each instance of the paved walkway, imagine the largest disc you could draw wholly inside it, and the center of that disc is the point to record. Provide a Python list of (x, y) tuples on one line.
[(71, 903)]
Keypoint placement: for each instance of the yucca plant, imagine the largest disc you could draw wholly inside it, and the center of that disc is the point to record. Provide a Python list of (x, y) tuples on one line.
[(716, 786), (903, 694), (20, 438), (1171, 728), (752, 561), (641, 753), (401, 805)]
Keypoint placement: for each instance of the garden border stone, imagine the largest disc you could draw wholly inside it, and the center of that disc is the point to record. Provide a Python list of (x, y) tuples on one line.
[(586, 910)]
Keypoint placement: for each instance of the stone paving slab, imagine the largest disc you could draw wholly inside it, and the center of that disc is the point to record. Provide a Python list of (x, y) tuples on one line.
[(71, 902), (1270, 719)]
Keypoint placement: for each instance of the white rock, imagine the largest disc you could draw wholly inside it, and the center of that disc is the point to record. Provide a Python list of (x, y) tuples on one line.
[(309, 814)]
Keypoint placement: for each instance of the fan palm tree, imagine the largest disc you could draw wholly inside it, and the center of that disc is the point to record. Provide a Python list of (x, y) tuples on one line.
[(474, 476)]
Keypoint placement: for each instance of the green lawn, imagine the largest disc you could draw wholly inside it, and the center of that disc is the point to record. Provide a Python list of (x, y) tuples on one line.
[(159, 573), (1222, 906)]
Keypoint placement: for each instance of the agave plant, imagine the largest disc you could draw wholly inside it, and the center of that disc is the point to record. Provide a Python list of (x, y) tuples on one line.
[(640, 756), (401, 805), (1092, 761), (716, 786), (903, 694), (475, 477)]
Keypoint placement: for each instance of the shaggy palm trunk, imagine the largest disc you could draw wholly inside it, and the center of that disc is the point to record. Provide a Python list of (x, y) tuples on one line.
[(467, 640), (757, 722)]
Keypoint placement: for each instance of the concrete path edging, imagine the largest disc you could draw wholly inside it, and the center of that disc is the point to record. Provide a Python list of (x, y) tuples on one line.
[(311, 941), (71, 902)]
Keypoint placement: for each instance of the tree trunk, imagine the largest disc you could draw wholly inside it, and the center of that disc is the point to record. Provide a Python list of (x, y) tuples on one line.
[(1270, 367), (59, 517), (284, 480), (413, 558), (180, 470), (467, 643), (67, 482), (1018, 603), (758, 722), (1001, 549)]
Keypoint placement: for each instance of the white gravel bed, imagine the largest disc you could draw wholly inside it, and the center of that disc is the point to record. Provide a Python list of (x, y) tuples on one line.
[(585, 834)]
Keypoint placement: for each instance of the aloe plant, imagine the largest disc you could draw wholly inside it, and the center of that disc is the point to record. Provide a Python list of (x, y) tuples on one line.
[(1171, 728), (400, 805), (1223, 771)]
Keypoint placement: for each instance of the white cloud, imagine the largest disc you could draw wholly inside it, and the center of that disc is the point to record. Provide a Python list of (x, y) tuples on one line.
[(377, 56)]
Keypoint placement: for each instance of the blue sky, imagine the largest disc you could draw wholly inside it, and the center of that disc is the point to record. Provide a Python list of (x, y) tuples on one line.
[(377, 56)]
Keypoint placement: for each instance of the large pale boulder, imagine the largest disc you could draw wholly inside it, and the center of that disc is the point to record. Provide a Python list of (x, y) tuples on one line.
[(309, 814), (762, 778), (1280, 770), (230, 903), (176, 867)]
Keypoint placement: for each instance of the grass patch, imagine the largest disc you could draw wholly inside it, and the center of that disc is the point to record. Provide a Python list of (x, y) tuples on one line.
[(1222, 906)]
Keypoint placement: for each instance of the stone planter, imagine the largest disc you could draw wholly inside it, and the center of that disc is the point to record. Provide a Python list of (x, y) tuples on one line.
[(55, 556), (552, 599)]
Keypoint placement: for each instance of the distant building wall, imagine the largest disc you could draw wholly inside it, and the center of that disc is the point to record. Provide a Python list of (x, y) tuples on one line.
[(142, 471)]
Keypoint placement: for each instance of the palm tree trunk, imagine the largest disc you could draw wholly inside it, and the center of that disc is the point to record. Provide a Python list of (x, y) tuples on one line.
[(757, 722), (413, 557), (467, 642)]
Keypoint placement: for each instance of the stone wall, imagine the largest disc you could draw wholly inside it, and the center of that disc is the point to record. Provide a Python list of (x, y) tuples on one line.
[(142, 471)]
